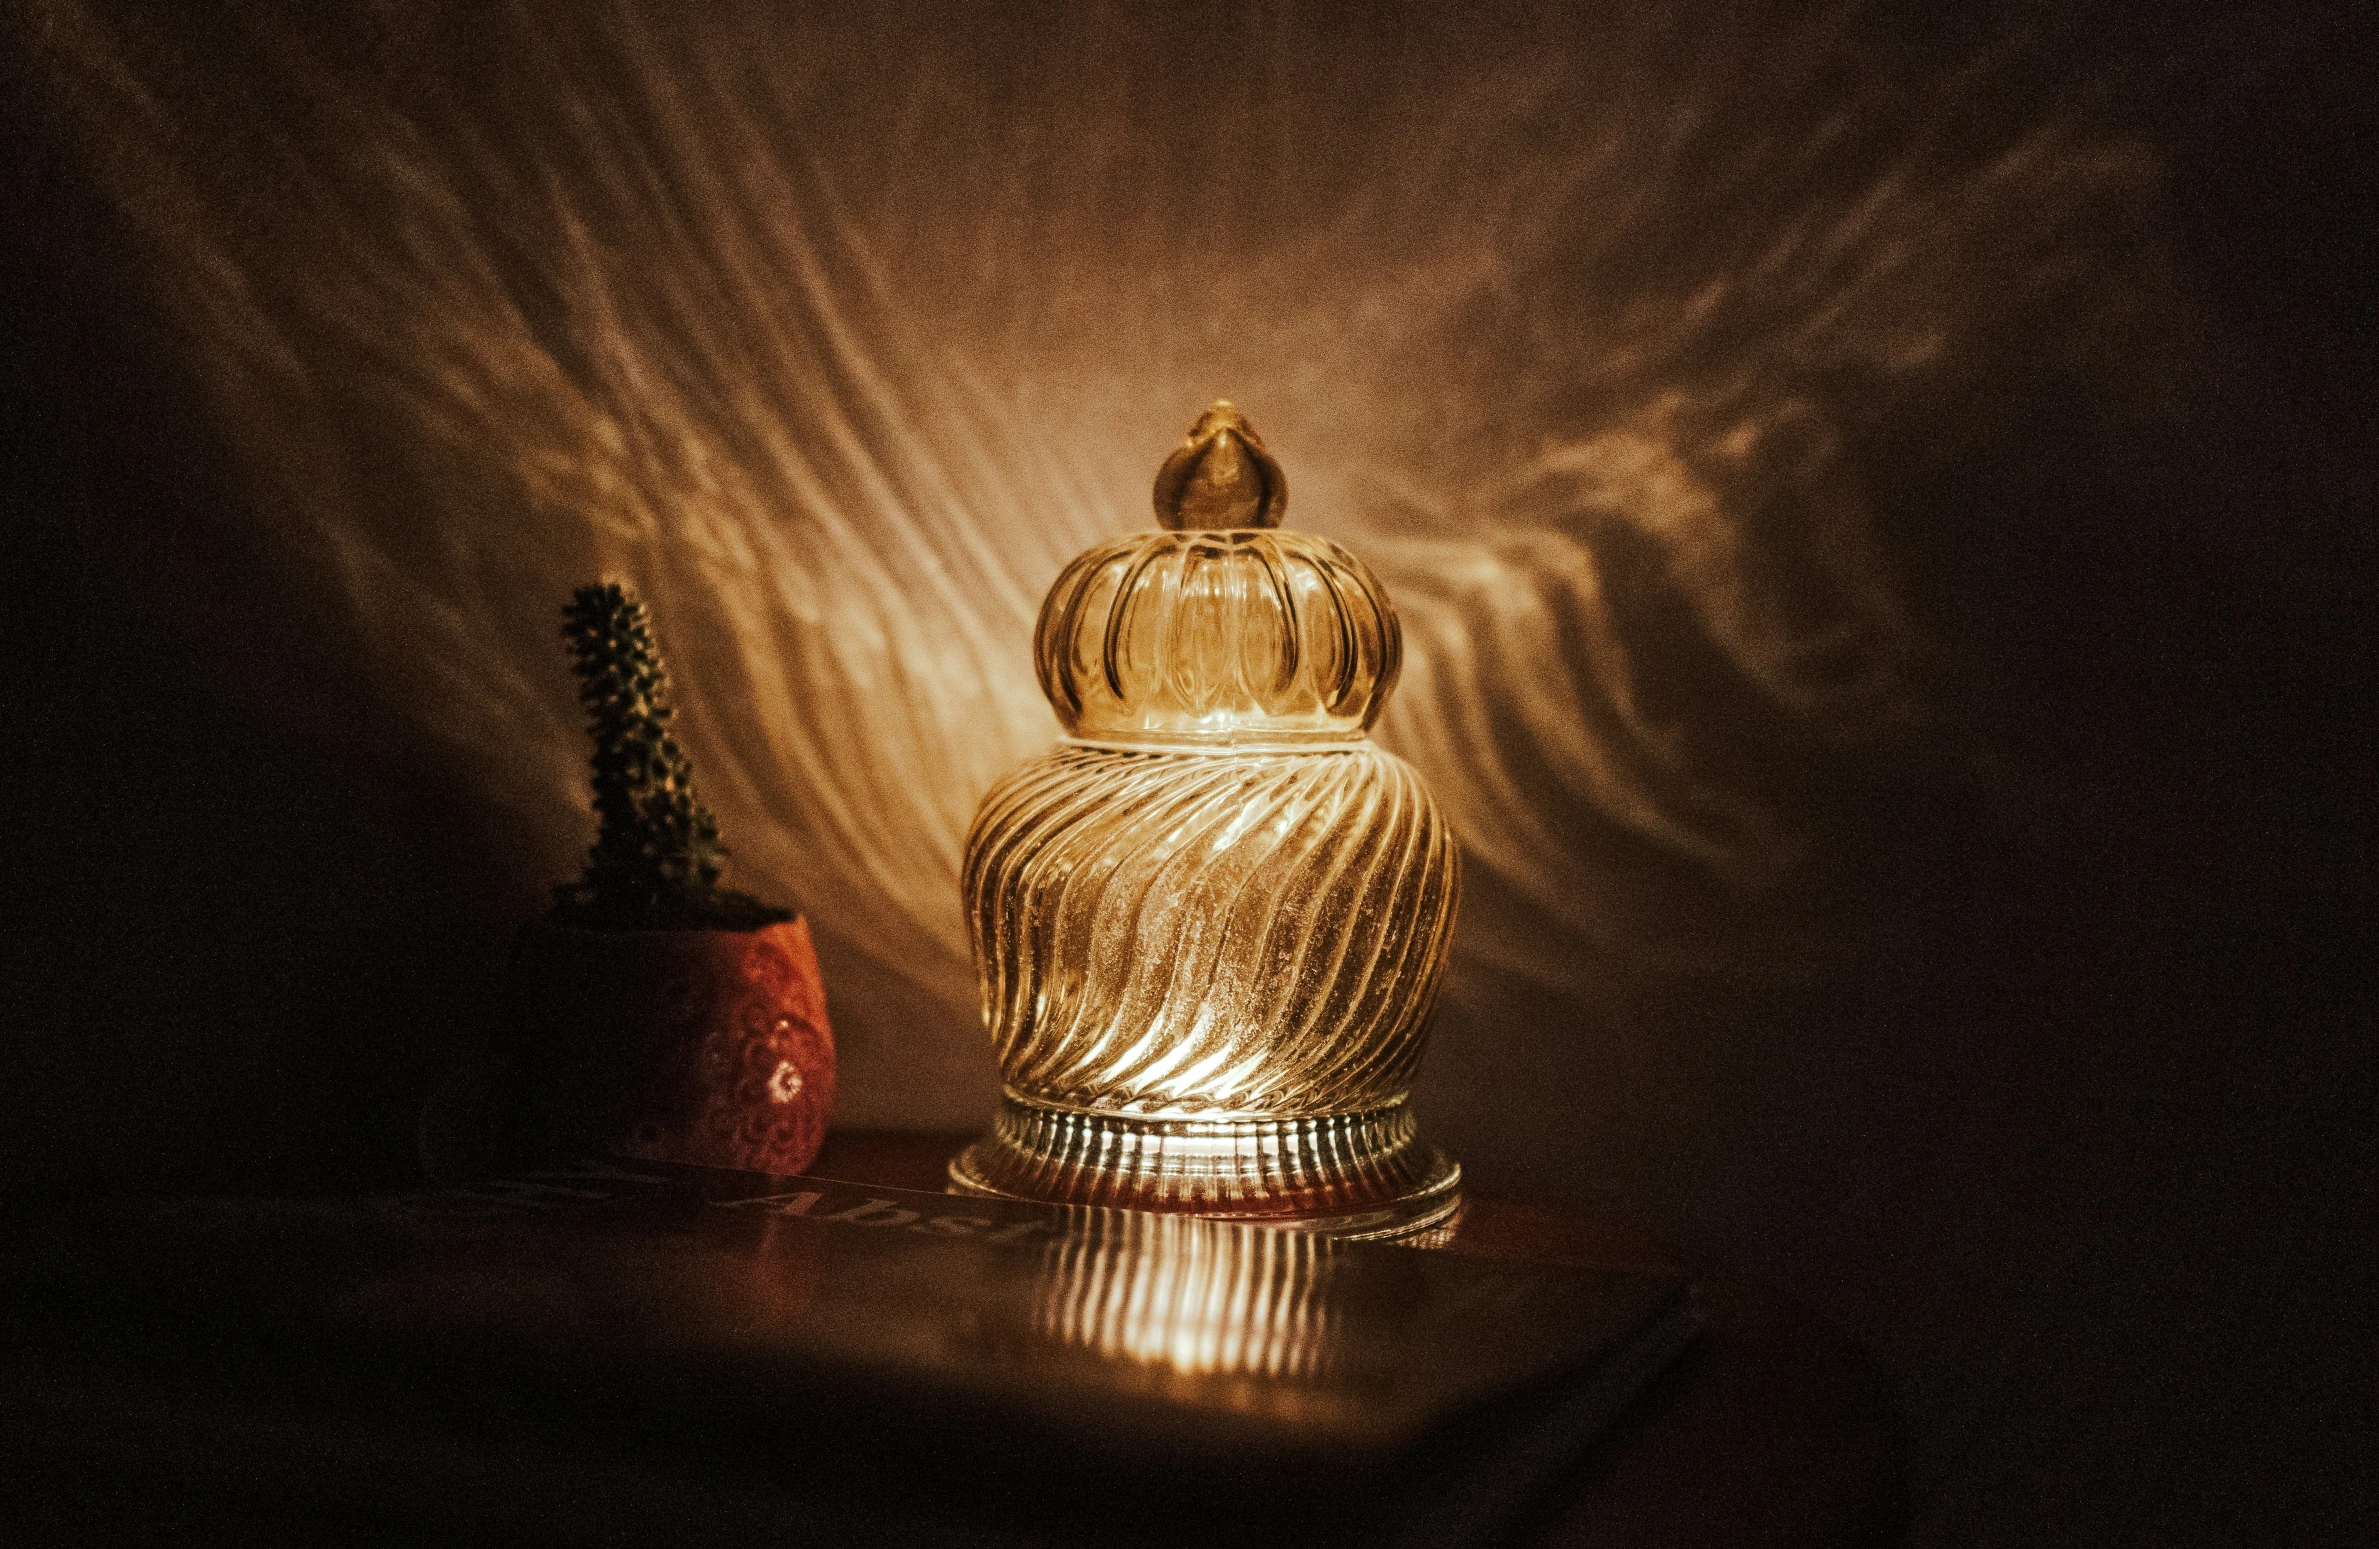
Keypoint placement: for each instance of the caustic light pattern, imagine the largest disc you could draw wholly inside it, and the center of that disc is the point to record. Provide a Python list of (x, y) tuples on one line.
[(841, 329), (1194, 1296)]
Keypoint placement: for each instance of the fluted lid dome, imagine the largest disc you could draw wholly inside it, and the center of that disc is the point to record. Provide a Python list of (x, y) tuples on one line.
[(1222, 629)]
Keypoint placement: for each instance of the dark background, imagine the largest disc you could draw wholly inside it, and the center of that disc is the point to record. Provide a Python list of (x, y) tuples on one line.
[(2111, 1172)]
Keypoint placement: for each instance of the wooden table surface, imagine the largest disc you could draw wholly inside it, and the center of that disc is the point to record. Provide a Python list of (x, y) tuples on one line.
[(1772, 1430)]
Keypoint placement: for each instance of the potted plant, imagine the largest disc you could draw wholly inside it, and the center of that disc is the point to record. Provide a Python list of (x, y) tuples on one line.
[(654, 1013)]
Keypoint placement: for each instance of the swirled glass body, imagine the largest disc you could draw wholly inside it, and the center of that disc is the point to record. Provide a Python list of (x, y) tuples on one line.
[(1183, 935), (1207, 976)]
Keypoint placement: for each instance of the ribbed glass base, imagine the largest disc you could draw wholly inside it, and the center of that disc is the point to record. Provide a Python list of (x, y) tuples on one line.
[(1348, 1175)]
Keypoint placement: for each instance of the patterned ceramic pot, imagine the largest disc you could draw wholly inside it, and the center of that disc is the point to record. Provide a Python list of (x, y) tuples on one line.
[(700, 1046)]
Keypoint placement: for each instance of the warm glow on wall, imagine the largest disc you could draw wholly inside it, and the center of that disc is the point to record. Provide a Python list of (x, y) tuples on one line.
[(841, 331)]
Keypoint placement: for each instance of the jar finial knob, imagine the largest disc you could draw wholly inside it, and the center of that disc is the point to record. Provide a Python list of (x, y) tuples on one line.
[(1221, 476)]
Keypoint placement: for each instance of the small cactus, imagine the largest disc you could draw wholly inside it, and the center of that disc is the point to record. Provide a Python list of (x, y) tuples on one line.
[(656, 858)]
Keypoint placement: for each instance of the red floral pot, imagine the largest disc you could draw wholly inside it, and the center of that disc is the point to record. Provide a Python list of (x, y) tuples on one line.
[(702, 1046)]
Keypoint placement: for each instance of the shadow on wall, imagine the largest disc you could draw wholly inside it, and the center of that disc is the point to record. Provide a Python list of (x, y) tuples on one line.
[(1803, 449)]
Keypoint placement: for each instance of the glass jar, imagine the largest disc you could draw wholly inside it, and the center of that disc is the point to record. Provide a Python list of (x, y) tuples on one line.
[(1211, 921)]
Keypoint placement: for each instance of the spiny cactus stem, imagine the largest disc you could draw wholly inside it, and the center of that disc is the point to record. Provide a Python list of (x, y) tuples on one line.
[(657, 856)]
